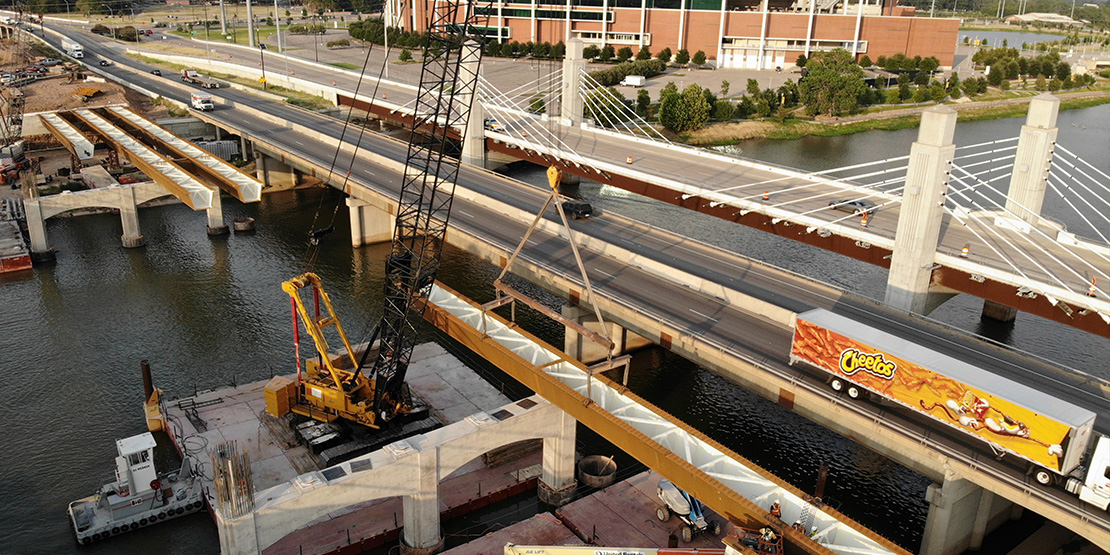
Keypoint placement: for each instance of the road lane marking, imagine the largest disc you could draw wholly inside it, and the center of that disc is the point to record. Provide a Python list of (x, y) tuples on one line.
[(706, 316), (465, 213)]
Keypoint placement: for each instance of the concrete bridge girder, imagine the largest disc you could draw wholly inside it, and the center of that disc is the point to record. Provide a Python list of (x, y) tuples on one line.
[(411, 469), (125, 199)]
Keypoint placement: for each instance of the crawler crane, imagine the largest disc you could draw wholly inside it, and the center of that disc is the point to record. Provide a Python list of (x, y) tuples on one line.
[(343, 384)]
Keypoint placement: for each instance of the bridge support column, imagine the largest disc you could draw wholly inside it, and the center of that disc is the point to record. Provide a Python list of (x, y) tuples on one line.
[(474, 136), (557, 481), (474, 141), (960, 514), (129, 215), (216, 225), (237, 536), (369, 224), (274, 174), (41, 251), (571, 105), (915, 244), (1033, 159), (421, 535), (587, 351)]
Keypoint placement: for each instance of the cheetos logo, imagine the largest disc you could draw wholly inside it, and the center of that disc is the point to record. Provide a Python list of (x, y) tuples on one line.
[(854, 360)]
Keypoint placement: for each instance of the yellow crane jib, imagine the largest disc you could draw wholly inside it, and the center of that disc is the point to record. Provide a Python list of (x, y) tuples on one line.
[(331, 387)]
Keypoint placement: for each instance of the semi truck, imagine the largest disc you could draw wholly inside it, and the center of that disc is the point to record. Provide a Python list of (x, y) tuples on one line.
[(194, 77), (73, 49), (201, 101), (1054, 439)]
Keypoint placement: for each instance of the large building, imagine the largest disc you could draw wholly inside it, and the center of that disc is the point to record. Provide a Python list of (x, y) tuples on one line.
[(757, 34)]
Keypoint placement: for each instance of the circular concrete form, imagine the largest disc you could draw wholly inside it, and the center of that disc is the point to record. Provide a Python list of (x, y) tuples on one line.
[(243, 224), (597, 471)]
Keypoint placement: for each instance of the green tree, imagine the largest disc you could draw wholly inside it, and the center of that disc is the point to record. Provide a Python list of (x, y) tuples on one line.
[(607, 107), (537, 106), (624, 54), (865, 61), (724, 88), (995, 76), (753, 87), (683, 57), (590, 52), (606, 54), (127, 33), (723, 110), (405, 56), (893, 96), (801, 61), (643, 54), (833, 85), (664, 55), (686, 111), (699, 58), (507, 50), (541, 49), (643, 102)]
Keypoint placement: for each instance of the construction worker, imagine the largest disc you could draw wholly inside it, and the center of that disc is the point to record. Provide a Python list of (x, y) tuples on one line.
[(767, 539), (776, 510), (799, 526)]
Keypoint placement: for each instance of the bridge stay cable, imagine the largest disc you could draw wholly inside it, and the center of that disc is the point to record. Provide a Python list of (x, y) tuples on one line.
[(1001, 236)]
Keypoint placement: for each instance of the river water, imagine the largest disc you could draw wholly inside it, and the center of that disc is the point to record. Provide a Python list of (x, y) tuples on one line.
[(209, 312)]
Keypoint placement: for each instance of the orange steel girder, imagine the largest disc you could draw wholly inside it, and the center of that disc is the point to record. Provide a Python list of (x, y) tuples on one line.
[(152, 172), (726, 502)]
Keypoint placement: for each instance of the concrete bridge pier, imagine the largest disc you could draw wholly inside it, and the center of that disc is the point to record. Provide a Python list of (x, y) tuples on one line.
[(422, 535), (587, 351), (1029, 179), (129, 216), (369, 224), (474, 139), (960, 514), (557, 481), (41, 251), (571, 104), (909, 283), (273, 173), (216, 225)]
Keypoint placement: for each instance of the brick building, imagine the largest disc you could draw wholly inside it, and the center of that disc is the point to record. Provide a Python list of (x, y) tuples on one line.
[(760, 34)]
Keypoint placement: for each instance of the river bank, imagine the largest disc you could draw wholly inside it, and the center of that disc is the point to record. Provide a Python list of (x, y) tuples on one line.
[(720, 134)]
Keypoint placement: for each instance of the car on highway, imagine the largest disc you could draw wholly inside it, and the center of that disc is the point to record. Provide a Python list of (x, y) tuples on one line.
[(105, 63), (577, 209), (157, 72), (492, 124), (855, 207)]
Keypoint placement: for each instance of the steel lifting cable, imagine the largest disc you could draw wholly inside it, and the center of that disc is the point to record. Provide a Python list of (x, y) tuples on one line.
[(316, 234)]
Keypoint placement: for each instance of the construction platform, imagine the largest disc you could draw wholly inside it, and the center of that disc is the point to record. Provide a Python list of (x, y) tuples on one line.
[(451, 390), (621, 515)]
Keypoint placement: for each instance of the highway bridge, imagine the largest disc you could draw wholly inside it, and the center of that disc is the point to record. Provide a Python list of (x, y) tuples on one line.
[(713, 307)]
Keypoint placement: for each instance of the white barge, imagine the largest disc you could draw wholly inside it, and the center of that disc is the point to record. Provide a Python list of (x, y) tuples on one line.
[(138, 497)]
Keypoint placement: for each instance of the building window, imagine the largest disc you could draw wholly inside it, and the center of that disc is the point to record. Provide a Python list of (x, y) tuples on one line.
[(575, 15), (791, 45), (594, 37)]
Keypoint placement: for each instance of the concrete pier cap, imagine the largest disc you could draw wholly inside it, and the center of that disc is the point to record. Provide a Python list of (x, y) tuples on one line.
[(938, 126), (1043, 111)]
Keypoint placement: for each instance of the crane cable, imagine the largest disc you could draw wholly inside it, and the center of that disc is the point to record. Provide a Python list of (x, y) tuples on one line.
[(316, 234)]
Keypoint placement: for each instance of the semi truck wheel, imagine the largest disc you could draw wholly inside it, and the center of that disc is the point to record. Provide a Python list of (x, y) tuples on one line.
[(836, 385), (1044, 477), (854, 392)]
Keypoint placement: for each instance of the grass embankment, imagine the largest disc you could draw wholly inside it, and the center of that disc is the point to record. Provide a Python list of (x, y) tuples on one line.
[(345, 65), (734, 133), (296, 98)]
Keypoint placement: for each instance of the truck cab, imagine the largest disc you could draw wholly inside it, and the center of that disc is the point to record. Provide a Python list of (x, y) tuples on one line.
[(1095, 488), (202, 102)]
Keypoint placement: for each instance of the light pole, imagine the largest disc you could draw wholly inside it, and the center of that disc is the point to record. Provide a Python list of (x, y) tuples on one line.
[(207, 46), (262, 57), (67, 7), (277, 21), (315, 42)]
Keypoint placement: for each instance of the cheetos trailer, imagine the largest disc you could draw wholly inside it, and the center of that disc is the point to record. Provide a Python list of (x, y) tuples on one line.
[(1049, 435)]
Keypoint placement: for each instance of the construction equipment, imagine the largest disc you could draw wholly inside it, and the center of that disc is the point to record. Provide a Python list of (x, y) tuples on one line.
[(13, 162), (341, 384)]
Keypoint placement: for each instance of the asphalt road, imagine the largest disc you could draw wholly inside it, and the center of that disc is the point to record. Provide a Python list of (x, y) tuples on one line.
[(716, 322)]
